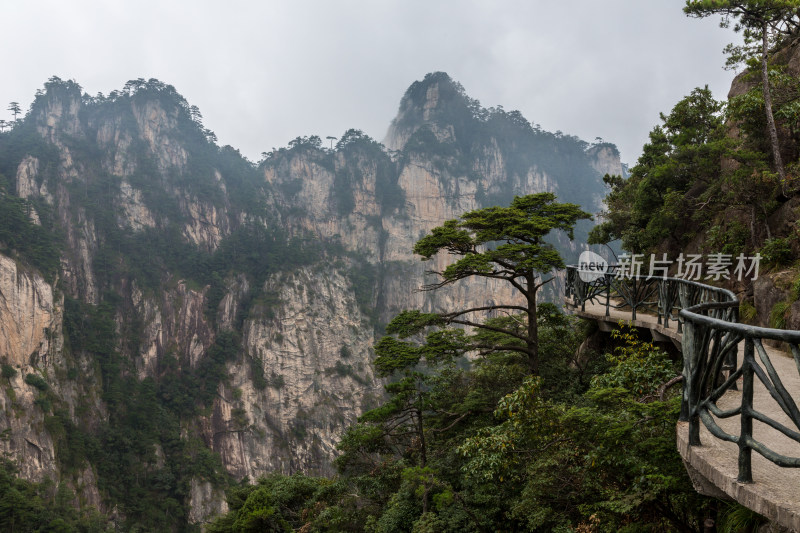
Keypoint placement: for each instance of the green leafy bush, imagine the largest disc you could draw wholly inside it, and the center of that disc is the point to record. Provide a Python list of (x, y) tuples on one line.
[(8, 371), (776, 251), (257, 372), (777, 317), (637, 366), (729, 238), (735, 518), (37, 381), (747, 312)]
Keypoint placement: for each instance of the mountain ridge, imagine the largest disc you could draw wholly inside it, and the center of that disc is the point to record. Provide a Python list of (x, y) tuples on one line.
[(234, 304)]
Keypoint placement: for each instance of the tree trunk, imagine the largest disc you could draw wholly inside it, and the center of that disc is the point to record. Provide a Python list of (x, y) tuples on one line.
[(773, 131), (533, 331), (423, 452)]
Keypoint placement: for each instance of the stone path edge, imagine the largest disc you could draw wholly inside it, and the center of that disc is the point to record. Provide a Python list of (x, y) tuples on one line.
[(744, 493)]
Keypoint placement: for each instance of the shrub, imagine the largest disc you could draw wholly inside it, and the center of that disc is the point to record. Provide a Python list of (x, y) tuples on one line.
[(776, 251), (736, 517), (257, 372), (638, 366), (36, 381), (730, 238), (44, 403), (777, 317), (239, 417), (8, 371), (747, 312)]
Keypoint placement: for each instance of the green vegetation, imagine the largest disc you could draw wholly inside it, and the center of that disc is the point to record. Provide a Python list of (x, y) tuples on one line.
[(283, 503), (142, 457), (671, 178), (636, 364), (365, 280), (144, 420), (8, 371), (30, 507), (777, 316), (730, 237), (37, 381), (504, 426), (776, 252), (257, 373), (36, 244), (696, 174), (747, 312), (762, 25), (735, 517)]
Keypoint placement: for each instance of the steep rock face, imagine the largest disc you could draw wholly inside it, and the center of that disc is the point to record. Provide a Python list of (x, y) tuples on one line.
[(133, 212), (423, 104), (27, 185), (175, 322), (32, 346), (29, 319), (157, 127), (605, 159), (28, 441), (308, 343), (59, 117), (309, 183), (29, 335), (433, 197), (32, 321), (205, 501)]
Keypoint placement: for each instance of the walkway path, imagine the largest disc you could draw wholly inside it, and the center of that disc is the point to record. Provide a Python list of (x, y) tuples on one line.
[(713, 466)]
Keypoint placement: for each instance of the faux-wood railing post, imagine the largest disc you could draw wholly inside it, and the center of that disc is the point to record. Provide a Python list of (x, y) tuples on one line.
[(746, 433), (584, 292), (691, 358)]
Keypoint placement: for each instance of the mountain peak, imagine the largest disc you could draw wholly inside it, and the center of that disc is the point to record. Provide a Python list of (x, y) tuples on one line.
[(418, 92), (437, 100)]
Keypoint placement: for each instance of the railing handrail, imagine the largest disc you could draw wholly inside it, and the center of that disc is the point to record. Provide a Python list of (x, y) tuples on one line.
[(688, 282), (748, 330), (643, 287), (710, 346)]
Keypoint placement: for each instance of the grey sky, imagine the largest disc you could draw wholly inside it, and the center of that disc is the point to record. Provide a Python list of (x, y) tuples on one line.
[(264, 72)]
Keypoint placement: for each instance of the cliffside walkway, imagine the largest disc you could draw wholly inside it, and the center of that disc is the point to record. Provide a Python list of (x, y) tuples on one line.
[(739, 395)]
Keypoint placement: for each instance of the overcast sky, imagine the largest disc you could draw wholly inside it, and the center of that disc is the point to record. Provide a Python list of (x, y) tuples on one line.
[(264, 72)]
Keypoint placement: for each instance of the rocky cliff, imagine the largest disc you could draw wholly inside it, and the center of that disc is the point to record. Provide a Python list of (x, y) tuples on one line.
[(208, 319)]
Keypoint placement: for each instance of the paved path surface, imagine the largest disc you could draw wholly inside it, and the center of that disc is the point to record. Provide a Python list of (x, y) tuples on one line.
[(775, 491)]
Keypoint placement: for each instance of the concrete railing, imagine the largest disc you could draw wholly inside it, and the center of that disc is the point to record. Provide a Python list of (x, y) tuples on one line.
[(711, 336)]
